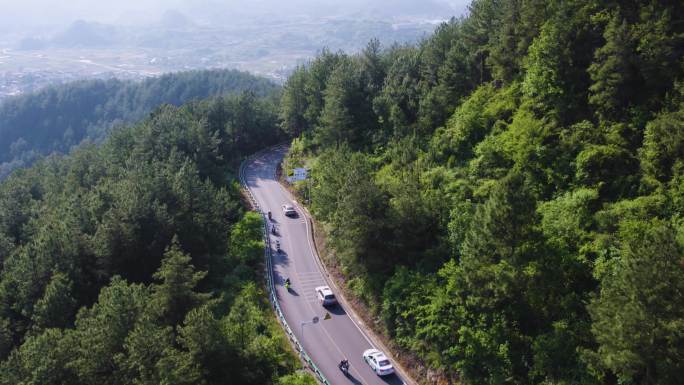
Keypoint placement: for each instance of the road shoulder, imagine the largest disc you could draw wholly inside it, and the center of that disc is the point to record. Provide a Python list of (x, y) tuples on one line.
[(404, 361)]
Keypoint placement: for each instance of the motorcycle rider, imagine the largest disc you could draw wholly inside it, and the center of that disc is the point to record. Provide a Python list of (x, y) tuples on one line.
[(344, 365)]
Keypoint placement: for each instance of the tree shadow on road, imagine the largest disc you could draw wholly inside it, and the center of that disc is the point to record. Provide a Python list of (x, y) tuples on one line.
[(279, 258), (336, 309), (392, 379), (353, 380), (279, 280)]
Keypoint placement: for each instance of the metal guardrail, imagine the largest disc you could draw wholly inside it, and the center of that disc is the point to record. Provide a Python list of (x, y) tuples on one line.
[(269, 276)]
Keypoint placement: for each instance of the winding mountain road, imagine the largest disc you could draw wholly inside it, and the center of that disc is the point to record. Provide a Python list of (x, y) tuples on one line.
[(328, 341)]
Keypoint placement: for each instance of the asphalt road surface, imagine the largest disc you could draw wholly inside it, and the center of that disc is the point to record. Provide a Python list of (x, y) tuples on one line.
[(328, 341)]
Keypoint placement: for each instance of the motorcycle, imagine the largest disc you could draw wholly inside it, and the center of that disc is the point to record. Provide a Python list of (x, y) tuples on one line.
[(344, 367), (287, 284), (278, 247)]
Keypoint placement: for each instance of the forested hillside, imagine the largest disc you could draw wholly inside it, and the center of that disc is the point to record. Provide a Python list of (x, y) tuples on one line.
[(60, 117), (508, 195), (134, 262)]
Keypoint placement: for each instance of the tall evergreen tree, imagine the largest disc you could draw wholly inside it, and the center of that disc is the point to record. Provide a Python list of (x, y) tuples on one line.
[(614, 72), (639, 312), (175, 293)]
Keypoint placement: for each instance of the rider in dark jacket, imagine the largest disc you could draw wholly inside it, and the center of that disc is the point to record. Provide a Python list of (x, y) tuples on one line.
[(344, 365)]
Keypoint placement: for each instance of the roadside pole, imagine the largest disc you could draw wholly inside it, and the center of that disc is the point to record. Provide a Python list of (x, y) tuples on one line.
[(313, 321)]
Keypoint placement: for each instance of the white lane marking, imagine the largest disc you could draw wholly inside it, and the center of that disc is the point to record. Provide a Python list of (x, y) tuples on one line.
[(317, 260), (310, 287), (310, 272), (334, 343), (311, 251), (325, 331), (308, 235), (312, 279)]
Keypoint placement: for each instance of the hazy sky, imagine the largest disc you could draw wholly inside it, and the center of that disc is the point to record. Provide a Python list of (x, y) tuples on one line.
[(18, 14), (33, 12)]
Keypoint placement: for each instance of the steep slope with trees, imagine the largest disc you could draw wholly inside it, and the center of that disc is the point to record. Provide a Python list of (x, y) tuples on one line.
[(507, 195), (135, 263), (60, 117)]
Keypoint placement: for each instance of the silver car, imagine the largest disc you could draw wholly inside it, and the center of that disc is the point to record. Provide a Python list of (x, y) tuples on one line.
[(378, 362), (325, 295), (289, 210)]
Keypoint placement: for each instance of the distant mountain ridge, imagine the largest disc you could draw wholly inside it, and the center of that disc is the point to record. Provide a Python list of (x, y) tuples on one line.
[(84, 34), (60, 117)]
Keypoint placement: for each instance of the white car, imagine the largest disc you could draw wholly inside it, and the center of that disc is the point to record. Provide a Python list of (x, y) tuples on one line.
[(325, 295), (378, 361), (289, 210)]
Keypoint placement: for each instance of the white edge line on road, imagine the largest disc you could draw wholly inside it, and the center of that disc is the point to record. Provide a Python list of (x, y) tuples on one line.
[(323, 271), (326, 276), (273, 295), (312, 250), (322, 274)]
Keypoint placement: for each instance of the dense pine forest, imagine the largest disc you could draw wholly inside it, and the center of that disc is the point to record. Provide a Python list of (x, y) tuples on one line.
[(508, 195), (57, 118), (134, 262)]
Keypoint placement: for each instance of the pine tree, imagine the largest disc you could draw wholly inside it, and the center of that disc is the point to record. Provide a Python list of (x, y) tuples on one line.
[(338, 124), (614, 72), (175, 293), (293, 104), (638, 316), (57, 307)]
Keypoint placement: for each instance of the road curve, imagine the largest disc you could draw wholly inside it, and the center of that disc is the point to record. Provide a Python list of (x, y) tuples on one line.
[(328, 341)]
